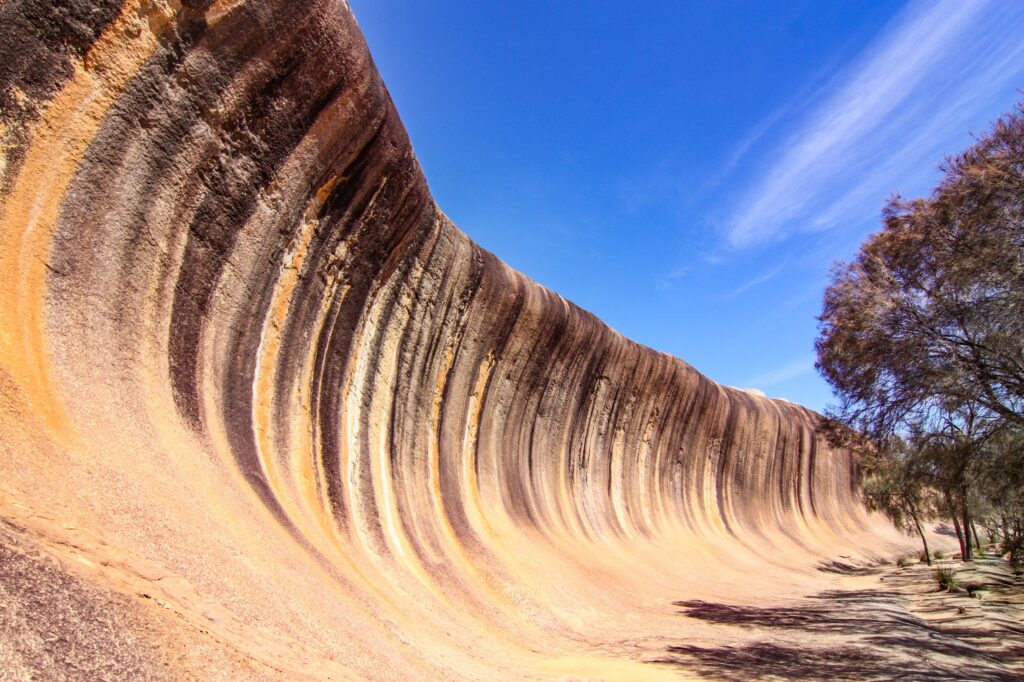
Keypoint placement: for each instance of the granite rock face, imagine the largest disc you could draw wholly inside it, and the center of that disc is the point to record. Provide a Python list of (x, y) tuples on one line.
[(254, 379)]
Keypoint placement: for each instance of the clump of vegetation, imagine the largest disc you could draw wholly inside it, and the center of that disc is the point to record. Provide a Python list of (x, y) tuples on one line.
[(902, 562), (920, 339), (946, 578), (938, 555), (893, 489)]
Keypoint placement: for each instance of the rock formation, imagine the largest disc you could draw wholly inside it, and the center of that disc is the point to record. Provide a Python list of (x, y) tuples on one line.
[(265, 412)]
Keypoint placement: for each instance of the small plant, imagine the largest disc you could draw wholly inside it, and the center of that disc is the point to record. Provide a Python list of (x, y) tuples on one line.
[(946, 578), (903, 562), (938, 555)]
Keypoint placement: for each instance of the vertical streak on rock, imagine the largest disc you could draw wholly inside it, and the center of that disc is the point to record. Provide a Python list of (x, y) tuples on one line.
[(221, 268)]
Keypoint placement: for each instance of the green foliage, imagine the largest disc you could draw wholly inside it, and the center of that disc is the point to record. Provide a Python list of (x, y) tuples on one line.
[(929, 310), (893, 485), (946, 578), (920, 337)]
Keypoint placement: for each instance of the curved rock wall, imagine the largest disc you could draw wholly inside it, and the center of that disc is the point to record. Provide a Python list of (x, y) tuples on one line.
[(242, 350)]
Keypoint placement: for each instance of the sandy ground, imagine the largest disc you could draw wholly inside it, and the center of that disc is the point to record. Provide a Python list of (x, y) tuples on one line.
[(880, 621), (73, 607)]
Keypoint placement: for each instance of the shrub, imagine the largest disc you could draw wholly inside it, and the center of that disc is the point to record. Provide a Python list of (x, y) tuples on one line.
[(946, 578)]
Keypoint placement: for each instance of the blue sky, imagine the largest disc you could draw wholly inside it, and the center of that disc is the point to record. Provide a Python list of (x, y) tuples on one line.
[(689, 171)]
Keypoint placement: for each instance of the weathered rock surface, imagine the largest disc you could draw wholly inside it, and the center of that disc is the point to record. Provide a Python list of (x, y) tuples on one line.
[(259, 397)]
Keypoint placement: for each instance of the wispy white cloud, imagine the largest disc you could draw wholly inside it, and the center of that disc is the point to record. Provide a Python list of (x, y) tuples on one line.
[(753, 282), (779, 375), (929, 74), (743, 147), (670, 278), (765, 126)]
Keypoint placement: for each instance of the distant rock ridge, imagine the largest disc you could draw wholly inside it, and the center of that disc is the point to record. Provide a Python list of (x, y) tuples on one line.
[(251, 372)]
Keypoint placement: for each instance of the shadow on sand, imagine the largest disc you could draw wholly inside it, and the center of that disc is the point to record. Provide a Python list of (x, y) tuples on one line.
[(859, 634)]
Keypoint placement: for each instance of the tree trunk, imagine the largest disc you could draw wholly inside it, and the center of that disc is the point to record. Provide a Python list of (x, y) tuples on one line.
[(977, 539), (959, 535), (1015, 543), (924, 540), (969, 556)]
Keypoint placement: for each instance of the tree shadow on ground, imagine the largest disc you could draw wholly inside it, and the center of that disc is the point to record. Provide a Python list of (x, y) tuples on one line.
[(764, 660), (875, 638), (847, 568)]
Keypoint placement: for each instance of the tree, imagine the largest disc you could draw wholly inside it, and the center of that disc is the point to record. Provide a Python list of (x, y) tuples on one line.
[(922, 338), (932, 308), (1001, 492), (894, 477), (953, 456), (896, 487)]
